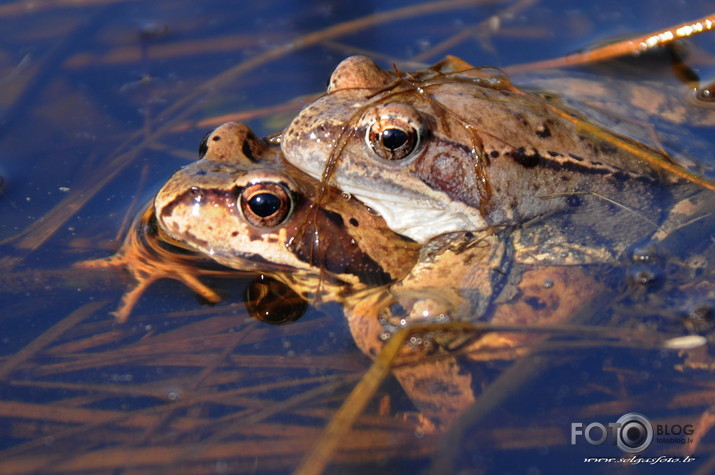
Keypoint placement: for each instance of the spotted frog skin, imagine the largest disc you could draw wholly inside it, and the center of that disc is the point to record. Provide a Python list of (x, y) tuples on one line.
[(458, 148)]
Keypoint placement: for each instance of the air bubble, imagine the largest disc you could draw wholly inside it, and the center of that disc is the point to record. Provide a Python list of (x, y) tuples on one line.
[(644, 277), (644, 254)]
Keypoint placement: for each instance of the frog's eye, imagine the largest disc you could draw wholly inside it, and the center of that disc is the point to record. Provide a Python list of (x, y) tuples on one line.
[(394, 131), (393, 139), (265, 204)]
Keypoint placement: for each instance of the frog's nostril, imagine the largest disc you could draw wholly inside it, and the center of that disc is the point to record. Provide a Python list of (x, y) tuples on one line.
[(197, 193), (203, 146), (706, 93)]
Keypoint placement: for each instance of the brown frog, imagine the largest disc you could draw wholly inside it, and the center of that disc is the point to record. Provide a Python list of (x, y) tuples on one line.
[(458, 148)]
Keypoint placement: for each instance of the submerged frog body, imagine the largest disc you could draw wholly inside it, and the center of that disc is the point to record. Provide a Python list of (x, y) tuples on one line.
[(457, 148)]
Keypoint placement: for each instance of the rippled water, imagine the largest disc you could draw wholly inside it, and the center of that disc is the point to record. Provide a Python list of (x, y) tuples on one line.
[(102, 101)]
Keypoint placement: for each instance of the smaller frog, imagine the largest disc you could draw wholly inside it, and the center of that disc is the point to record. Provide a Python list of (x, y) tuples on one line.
[(246, 209), (242, 206)]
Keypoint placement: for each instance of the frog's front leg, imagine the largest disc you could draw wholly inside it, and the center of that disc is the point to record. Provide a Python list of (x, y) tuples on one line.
[(147, 259), (434, 375), (436, 384), (452, 278)]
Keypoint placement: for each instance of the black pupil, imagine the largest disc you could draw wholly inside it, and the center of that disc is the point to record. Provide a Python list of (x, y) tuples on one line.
[(264, 204), (393, 138)]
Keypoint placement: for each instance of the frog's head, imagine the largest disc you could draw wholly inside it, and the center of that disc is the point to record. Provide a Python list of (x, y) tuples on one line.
[(246, 209), (385, 141)]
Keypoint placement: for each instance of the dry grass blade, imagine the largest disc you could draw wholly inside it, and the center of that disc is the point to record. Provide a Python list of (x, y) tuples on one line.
[(48, 337), (253, 418), (22, 7), (40, 231), (483, 29), (333, 434), (280, 456), (630, 46)]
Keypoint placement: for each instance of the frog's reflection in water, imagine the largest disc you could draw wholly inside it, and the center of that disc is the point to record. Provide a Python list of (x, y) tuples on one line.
[(271, 301)]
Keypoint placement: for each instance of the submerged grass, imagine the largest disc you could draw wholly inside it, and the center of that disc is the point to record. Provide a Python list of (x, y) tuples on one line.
[(208, 389)]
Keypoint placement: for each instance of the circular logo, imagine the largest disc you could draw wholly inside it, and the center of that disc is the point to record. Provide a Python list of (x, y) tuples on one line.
[(635, 433)]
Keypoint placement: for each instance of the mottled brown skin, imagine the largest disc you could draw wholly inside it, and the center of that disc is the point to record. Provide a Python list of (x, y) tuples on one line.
[(617, 99), (487, 153), (337, 242)]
